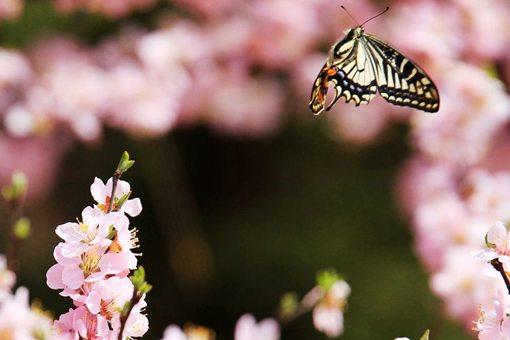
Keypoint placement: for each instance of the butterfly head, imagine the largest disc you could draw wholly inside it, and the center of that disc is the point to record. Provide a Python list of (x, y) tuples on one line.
[(357, 32)]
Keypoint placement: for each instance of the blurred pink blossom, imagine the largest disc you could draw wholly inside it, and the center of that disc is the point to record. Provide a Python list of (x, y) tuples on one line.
[(247, 328), (463, 286), (7, 278), (190, 332), (436, 39), (11, 9), (493, 322), (110, 8), (472, 113)]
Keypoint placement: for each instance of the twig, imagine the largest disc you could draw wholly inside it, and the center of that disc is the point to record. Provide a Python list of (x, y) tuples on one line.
[(499, 267), (115, 180), (15, 210), (125, 315)]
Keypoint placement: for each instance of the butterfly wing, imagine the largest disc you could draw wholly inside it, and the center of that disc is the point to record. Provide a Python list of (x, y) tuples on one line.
[(399, 80), (350, 70)]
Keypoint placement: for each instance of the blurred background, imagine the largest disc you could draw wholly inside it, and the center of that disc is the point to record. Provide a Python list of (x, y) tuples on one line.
[(246, 195)]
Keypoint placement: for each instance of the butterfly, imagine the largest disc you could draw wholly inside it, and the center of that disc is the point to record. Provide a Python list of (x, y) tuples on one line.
[(360, 65)]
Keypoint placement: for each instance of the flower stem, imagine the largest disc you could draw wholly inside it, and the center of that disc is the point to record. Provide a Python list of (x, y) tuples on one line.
[(115, 180), (499, 267), (125, 315), (15, 210)]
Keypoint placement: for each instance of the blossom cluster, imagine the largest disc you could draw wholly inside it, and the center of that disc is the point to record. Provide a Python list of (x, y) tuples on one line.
[(93, 263), (457, 183), (19, 320)]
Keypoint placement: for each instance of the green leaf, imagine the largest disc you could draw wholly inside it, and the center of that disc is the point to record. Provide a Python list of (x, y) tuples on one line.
[(125, 163), (17, 189), (119, 202), (425, 335), (138, 280), (289, 304), (327, 278)]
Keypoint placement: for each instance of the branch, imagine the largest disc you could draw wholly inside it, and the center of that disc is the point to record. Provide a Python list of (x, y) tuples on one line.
[(125, 313), (499, 267)]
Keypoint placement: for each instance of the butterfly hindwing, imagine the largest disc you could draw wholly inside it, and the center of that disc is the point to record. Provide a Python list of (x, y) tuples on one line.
[(399, 80), (351, 73)]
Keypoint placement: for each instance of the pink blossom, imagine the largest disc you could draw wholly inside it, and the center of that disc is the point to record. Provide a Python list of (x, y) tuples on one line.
[(445, 222), (359, 125), (101, 193), (11, 9), (243, 106), (80, 236), (174, 332), (111, 8), (329, 320), (7, 278), (190, 332), (19, 321), (493, 323), (497, 244), (421, 181), (328, 300), (154, 100), (462, 285), (438, 37), (211, 8), (480, 22), (247, 328), (470, 116), (108, 296), (93, 263), (280, 39)]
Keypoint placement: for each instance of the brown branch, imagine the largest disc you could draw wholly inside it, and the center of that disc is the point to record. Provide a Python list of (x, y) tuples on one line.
[(115, 180), (125, 314), (499, 267), (15, 210)]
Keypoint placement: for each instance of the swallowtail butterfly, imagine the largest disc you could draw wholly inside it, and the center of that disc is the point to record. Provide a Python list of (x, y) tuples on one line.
[(360, 65)]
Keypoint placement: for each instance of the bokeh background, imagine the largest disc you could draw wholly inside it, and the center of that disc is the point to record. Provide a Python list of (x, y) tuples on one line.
[(246, 195)]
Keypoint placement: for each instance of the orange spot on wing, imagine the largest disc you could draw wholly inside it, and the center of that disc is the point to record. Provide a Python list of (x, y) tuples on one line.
[(330, 71)]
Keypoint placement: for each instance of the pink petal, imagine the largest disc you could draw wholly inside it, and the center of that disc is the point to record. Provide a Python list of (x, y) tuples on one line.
[(69, 232), (72, 276), (93, 302), (54, 277), (98, 191), (74, 249), (123, 188), (132, 207), (497, 233)]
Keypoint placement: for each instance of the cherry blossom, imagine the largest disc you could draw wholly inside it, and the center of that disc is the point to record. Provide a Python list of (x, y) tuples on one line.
[(93, 263), (101, 193), (497, 242), (190, 332), (493, 322), (247, 328), (329, 301)]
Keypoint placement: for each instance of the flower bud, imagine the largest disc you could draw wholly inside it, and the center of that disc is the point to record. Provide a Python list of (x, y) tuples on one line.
[(22, 228)]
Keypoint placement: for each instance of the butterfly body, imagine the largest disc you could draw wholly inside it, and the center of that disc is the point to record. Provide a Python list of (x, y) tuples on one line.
[(360, 65)]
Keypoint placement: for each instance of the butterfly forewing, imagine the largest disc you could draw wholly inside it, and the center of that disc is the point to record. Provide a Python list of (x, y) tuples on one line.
[(399, 80), (361, 64)]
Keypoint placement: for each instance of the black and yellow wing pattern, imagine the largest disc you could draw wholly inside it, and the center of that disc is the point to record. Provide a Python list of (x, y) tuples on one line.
[(360, 65)]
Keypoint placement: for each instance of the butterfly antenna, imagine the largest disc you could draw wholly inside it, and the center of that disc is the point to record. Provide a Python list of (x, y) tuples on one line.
[(375, 16), (353, 19)]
